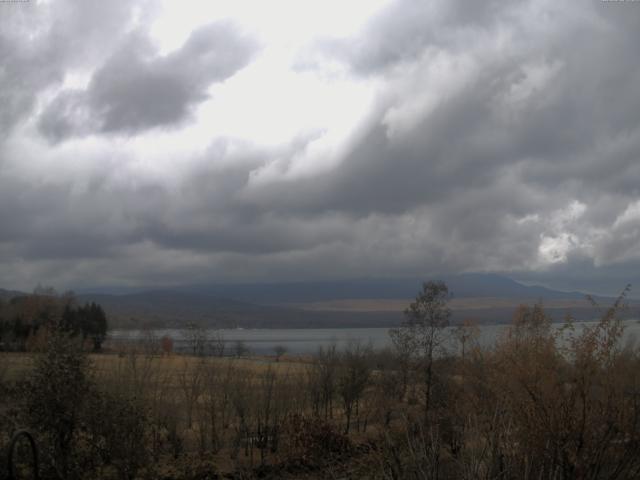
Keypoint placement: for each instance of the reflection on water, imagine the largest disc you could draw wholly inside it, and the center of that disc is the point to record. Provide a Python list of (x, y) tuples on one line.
[(305, 341)]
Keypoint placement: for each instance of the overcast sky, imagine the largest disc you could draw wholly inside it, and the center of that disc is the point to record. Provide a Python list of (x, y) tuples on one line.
[(149, 142)]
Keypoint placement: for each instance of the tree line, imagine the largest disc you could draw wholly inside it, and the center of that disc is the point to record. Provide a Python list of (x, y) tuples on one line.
[(26, 320)]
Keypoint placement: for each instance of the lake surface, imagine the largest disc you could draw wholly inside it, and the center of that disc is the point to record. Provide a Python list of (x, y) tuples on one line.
[(305, 341)]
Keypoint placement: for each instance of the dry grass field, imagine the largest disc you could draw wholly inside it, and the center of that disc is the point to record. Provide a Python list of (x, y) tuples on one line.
[(15, 366)]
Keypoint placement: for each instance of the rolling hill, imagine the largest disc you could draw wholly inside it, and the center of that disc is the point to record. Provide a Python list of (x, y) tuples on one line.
[(485, 298)]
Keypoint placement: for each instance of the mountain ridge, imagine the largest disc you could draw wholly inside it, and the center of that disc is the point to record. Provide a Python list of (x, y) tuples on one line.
[(464, 285), (486, 298)]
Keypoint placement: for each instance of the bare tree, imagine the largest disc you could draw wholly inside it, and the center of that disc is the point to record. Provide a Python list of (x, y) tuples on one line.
[(218, 344), (465, 332), (148, 342), (240, 348), (218, 378), (243, 405), (405, 347), (190, 379), (279, 350), (389, 386), (321, 380), (266, 413), (353, 378), (197, 339), (136, 371), (423, 330)]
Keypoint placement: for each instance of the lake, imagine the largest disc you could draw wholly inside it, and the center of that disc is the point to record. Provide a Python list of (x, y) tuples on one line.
[(305, 341)]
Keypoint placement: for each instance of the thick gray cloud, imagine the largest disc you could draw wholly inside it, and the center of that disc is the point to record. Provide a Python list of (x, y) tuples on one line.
[(137, 89), (39, 42), (505, 136), (25, 68)]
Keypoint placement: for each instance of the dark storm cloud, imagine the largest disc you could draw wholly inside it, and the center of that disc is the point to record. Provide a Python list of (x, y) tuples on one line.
[(39, 42), (137, 89), (572, 136), (52, 222), (24, 68), (505, 137)]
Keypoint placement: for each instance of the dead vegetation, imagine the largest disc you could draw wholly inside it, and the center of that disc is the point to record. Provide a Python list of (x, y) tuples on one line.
[(541, 403)]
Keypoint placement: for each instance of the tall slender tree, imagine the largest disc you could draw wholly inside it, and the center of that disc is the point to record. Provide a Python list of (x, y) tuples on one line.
[(422, 332)]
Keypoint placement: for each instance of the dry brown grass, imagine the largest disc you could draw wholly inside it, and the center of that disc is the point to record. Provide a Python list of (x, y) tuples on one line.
[(15, 366)]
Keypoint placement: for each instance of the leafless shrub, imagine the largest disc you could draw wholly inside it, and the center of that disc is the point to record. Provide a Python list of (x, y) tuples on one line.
[(279, 350), (190, 382), (354, 373), (197, 339), (322, 381), (218, 344), (313, 442)]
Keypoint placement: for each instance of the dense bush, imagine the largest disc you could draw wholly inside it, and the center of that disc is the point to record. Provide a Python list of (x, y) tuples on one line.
[(314, 442), (82, 430)]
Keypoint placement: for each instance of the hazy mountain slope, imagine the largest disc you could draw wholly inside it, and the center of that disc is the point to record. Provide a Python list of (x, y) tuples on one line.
[(8, 294), (466, 285), (486, 298)]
